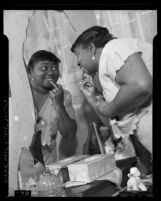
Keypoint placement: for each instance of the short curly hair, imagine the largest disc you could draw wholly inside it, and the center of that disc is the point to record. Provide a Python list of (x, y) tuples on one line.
[(97, 35), (41, 55)]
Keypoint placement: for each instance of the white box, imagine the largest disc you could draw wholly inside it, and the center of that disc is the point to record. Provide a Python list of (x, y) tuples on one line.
[(64, 162), (60, 169), (91, 168)]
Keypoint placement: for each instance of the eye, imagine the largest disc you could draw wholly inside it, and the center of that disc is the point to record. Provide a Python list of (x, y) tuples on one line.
[(54, 69), (44, 68)]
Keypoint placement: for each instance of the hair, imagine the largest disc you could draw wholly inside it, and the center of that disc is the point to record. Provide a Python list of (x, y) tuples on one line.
[(96, 35), (41, 55)]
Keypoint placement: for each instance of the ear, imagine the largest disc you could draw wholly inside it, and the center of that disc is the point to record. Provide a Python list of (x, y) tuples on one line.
[(92, 48)]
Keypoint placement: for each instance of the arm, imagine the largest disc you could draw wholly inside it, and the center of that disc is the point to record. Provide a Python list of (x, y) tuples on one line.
[(66, 125), (135, 87), (103, 118)]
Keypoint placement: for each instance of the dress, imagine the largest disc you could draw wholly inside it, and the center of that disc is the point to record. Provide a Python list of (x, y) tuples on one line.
[(49, 131), (113, 57)]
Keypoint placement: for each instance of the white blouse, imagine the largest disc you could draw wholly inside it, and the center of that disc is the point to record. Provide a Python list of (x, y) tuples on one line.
[(113, 57)]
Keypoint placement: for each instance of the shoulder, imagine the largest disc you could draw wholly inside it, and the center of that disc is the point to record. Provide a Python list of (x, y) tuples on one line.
[(115, 53), (119, 43), (120, 48)]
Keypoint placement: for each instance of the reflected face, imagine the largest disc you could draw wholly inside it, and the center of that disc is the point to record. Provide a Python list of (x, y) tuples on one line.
[(43, 71), (84, 60)]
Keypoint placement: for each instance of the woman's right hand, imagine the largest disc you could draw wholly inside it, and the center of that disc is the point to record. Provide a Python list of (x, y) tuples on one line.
[(57, 94), (88, 89)]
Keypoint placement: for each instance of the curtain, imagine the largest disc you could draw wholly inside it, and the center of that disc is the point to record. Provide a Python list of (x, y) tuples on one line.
[(140, 24)]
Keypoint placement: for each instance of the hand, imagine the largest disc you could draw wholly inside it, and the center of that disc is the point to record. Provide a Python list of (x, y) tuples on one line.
[(88, 90), (57, 94)]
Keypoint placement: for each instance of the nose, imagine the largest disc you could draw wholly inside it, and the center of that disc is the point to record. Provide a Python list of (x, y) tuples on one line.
[(78, 62), (50, 71)]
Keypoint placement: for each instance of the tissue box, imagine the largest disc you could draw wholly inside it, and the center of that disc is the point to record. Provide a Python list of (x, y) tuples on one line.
[(90, 168), (60, 167)]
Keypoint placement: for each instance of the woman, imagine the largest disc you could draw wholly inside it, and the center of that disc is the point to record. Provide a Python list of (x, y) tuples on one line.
[(122, 65), (54, 113)]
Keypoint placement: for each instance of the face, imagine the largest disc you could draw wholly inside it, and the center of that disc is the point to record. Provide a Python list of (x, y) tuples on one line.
[(84, 60), (42, 72)]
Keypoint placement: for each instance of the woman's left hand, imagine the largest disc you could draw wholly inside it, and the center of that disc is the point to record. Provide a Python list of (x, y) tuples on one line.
[(57, 94)]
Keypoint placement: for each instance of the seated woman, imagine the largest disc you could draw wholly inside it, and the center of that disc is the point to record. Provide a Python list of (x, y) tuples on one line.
[(54, 113)]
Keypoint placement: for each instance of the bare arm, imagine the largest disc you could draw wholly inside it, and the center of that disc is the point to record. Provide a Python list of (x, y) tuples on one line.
[(135, 87), (66, 125)]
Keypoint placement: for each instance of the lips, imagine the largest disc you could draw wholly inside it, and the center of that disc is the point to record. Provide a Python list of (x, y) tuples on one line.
[(51, 78)]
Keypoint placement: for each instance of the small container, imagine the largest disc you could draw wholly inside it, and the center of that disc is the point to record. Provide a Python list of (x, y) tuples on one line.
[(49, 185)]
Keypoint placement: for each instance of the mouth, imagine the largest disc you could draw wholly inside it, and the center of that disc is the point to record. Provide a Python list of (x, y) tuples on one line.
[(49, 83), (84, 71), (81, 67), (85, 75), (49, 79), (53, 79)]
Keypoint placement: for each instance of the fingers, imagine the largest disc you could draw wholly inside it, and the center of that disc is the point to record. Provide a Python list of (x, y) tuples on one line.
[(57, 87), (86, 84), (85, 87), (54, 85), (56, 91)]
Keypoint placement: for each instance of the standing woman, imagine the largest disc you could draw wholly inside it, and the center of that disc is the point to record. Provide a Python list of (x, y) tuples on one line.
[(122, 65)]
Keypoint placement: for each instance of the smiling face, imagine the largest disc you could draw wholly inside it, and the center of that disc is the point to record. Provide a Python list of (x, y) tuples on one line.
[(42, 72), (84, 60)]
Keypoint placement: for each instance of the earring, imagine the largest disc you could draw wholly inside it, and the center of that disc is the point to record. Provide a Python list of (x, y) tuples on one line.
[(32, 78), (93, 57)]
